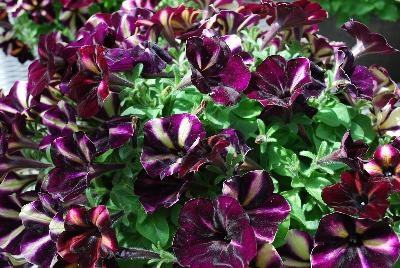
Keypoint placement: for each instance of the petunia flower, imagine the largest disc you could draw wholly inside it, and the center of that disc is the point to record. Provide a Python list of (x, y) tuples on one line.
[(342, 241), (387, 118), (214, 233), (155, 193), (168, 142), (358, 195), (18, 49), (225, 22), (219, 4), (39, 11), (296, 250), (12, 161), (129, 5), (88, 238), (12, 197), (51, 65), (172, 22), (120, 29), (385, 165), (115, 133), (280, 84), (266, 210), (349, 153), (356, 80), (384, 87), (43, 222), (73, 157), (284, 15), (216, 70), (367, 42), (93, 86), (60, 120), (74, 13)]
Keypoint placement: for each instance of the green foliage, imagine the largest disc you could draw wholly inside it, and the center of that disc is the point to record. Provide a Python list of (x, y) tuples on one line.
[(363, 10)]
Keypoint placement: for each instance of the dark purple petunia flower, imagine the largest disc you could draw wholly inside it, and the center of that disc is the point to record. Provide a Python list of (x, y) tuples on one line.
[(280, 84), (155, 193), (367, 41), (216, 70), (385, 165), (266, 210), (120, 29), (12, 198), (358, 195), (168, 142), (225, 22), (18, 49), (39, 11), (387, 118), (13, 161), (60, 120), (74, 13), (356, 80), (350, 152), (153, 58), (115, 133), (73, 157), (172, 22), (384, 87), (219, 4), (43, 222), (88, 237), (214, 234), (129, 5), (342, 241), (51, 65), (284, 15), (296, 250)]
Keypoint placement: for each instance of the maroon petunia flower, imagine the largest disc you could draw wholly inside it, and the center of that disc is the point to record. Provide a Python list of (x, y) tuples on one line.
[(216, 70), (266, 210), (358, 195), (385, 165), (342, 241), (350, 152), (214, 233), (88, 238)]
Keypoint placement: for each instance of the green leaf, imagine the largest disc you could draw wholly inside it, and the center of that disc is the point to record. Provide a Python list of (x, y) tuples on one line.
[(314, 187), (248, 109), (155, 228)]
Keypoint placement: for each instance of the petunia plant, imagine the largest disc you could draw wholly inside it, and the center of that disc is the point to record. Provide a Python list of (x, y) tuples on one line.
[(199, 134)]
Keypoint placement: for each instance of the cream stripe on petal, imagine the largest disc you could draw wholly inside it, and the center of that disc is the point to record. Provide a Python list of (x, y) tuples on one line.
[(9, 213), (30, 250), (6, 240), (160, 134), (381, 245), (184, 131), (254, 189)]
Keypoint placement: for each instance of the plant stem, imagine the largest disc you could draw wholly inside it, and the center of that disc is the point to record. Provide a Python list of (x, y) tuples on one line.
[(137, 254)]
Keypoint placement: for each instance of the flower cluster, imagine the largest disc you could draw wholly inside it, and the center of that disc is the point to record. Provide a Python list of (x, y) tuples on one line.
[(215, 134)]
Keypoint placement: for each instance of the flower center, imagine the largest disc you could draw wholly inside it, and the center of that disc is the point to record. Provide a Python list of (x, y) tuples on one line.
[(223, 236), (362, 200), (355, 240), (388, 173)]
